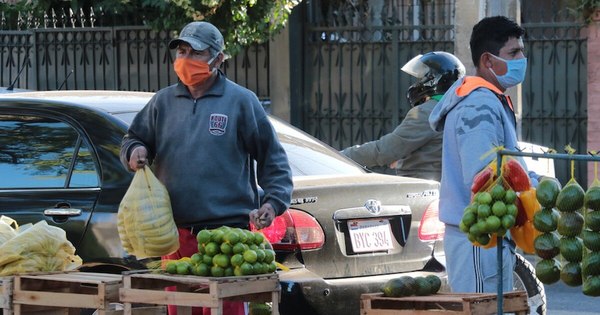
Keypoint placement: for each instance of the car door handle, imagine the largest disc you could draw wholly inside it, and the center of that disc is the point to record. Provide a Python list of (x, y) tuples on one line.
[(69, 212)]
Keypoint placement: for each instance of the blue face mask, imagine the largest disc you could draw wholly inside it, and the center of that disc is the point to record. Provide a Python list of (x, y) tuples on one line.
[(515, 72)]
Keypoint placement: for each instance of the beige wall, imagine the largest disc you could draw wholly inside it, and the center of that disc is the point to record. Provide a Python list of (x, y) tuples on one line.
[(593, 90), (279, 64)]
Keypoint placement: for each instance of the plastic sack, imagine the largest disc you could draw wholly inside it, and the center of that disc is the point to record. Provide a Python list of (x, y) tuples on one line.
[(145, 219), (8, 228), (38, 248)]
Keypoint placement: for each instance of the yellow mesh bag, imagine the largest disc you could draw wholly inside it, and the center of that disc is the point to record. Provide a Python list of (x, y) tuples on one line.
[(145, 219)]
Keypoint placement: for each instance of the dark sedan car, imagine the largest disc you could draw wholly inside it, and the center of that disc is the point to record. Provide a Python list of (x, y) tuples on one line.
[(346, 232)]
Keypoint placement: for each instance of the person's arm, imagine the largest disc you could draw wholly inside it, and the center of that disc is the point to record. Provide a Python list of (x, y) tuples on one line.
[(136, 150), (413, 133), (272, 167)]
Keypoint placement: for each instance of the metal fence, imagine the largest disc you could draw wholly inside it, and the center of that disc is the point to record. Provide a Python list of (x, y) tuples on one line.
[(354, 90), (555, 88), (347, 56), (134, 58)]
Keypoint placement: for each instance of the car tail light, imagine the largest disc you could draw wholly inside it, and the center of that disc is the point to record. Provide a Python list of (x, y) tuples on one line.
[(294, 230), (431, 228)]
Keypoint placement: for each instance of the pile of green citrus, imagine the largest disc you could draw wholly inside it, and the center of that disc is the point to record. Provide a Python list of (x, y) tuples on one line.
[(225, 252), (490, 213)]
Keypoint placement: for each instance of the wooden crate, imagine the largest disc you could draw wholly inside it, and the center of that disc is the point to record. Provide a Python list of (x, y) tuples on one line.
[(194, 291), (6, 288), (444, 303), (64, 293)]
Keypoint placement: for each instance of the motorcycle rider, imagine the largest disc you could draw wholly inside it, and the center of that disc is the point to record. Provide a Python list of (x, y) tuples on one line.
[(413, 149)]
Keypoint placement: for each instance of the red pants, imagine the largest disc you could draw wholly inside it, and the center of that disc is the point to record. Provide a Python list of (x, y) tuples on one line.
[(188, 245)]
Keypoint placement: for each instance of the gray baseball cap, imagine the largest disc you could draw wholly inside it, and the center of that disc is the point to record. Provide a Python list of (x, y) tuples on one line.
[(200, 35)]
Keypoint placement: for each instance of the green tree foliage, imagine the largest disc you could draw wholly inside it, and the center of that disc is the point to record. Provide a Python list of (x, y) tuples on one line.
[(242, 22)]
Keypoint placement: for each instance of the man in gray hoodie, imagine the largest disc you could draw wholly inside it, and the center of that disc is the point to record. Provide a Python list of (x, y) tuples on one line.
[(210, 142), (476, 116)]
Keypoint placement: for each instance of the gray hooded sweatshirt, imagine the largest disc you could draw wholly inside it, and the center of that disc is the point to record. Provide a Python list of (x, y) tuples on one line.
[(211, 153), (476, 118)]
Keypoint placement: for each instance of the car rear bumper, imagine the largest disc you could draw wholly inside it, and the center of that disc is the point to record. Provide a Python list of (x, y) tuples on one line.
[(305, 293)]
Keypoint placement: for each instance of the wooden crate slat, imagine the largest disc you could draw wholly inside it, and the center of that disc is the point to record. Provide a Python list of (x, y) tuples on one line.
[(447, 303), (194, 291), (6, 288), (166, 298), (60, 291), (58, 299), (241, 288)]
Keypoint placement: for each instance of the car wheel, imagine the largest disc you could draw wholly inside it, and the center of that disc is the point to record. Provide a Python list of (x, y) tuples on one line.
[(525, 279)]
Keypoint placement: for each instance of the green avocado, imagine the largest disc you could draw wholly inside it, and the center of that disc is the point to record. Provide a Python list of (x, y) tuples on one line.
[(436, 283), (591, 240), (591, 264), (399, 287), (547, 192), (591, 286), (546, 220), (570, 224), (547, 245), (592, 220), (571, 248), (570, 198), (423, 286), (548, 271), (570, 274), (592, 198)]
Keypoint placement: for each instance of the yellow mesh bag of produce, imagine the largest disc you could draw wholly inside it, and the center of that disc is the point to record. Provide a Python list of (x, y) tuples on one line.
[(7, 231), (39, 247), (145, 219)]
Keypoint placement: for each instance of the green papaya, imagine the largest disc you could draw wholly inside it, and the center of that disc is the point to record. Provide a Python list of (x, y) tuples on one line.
[(592, 198), (548, 270), (571, 248), (547, 245), (570, 224), (591, 264), (591, 286), (547, 192), (570, 198), (570, 274), (592, 220), (591, 240), (546, 220)]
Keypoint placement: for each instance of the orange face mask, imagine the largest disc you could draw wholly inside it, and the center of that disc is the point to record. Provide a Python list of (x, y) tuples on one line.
[(191, 71)]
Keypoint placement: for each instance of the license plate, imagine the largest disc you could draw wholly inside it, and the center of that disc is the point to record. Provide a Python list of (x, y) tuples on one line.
[(370, 235)]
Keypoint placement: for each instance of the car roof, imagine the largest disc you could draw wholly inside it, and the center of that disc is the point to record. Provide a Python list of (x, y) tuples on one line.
[(109, 101)]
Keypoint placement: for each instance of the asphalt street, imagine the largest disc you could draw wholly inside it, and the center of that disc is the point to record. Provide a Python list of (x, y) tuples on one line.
[(565, 300)]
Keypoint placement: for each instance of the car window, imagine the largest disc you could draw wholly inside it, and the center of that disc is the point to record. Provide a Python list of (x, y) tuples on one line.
[(309, 156), (39, 152)]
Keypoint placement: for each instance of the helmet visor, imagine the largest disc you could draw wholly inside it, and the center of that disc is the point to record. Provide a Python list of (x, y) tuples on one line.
[(415, 67)]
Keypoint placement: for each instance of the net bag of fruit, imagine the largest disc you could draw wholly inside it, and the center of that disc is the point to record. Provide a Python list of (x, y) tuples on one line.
[(496, 206), (8, 228), (516, 177), (145, 219), (37, 248)]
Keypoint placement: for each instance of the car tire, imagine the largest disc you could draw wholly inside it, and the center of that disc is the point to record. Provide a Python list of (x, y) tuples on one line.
[(525, 279)]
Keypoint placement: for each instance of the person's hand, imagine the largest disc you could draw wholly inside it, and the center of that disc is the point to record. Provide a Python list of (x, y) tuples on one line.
[(263, 217), (138, 158)]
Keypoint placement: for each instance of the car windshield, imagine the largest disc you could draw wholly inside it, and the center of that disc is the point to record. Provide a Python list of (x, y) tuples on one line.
[(307, 155)]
